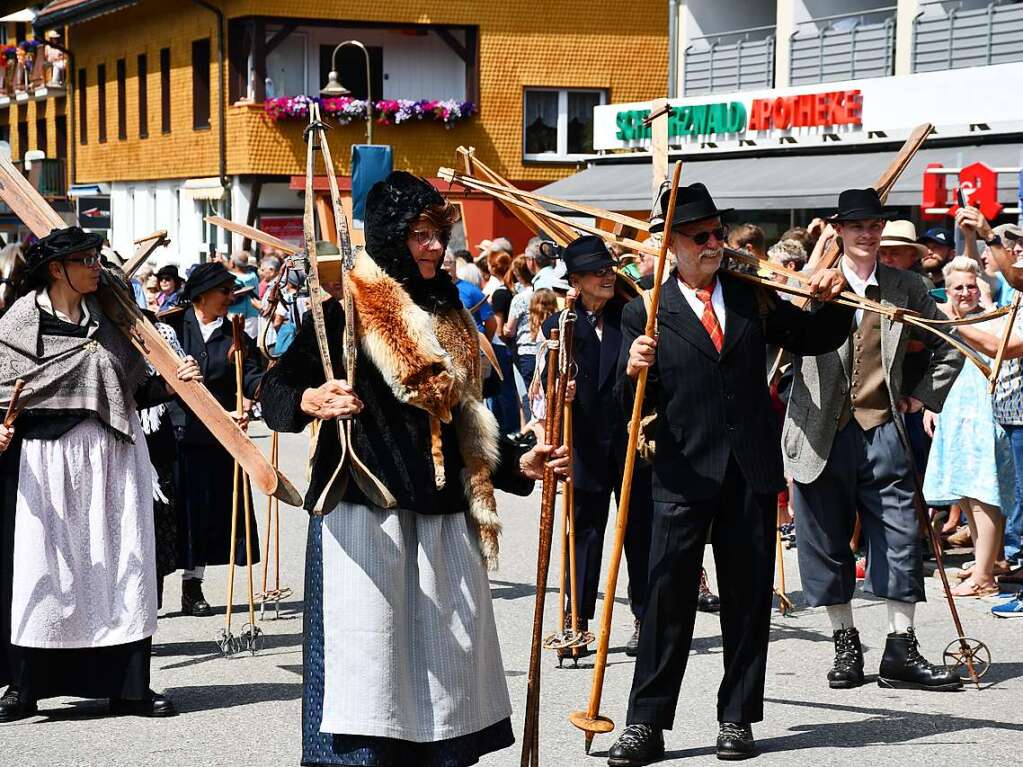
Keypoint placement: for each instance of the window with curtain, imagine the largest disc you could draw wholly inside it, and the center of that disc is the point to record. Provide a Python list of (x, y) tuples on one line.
[(557, 123)]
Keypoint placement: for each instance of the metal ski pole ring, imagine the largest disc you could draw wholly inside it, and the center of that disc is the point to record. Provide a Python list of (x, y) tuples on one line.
[(963, 653)]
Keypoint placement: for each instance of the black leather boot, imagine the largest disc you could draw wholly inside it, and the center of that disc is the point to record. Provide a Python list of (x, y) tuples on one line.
[(638, 744), (708, 601), (735, 742), (13, 706), (154, 706), (632, 646), (192, 600), (904, 668), (847, 671)]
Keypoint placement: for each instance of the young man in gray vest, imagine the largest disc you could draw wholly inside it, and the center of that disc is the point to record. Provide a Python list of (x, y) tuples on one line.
[(845, 445)]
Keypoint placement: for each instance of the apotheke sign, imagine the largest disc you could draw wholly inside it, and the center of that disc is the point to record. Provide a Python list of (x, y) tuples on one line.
[(833, 113)]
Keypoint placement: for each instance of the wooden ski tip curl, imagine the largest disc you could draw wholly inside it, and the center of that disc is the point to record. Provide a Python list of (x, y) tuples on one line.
[(960, 654)]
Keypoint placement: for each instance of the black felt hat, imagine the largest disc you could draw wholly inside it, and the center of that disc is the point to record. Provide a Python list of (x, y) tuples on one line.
[(860, 205), (586, 254), (693, 203), (206, 277), (59, 244), (169, 272)]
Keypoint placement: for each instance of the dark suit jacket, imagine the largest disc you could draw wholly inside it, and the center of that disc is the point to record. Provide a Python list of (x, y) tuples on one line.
[(218, 374), (712, 407), (598, 426)]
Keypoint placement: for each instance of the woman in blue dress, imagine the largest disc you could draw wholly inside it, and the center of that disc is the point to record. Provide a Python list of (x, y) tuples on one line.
[(970, 461)]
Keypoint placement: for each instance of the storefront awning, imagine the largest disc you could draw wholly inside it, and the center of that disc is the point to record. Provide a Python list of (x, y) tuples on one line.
[(779, 182), (203, 188)]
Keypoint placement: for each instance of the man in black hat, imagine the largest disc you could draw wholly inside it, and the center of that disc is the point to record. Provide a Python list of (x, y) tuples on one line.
[(846, 447), (599, 430), (717, 466)]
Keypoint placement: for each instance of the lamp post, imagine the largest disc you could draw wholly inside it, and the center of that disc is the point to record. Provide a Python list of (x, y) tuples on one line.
[(334, 88)]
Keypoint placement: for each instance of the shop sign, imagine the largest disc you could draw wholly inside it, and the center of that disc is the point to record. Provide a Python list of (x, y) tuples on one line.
[(689, 120), (287, 228), (807, 110), (978, 183)]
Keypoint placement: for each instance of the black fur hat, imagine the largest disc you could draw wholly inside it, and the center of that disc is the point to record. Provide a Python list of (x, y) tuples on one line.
[(391, 207)]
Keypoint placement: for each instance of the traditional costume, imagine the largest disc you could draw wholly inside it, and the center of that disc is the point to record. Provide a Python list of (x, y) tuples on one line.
[(77, 575), (717, 465), (402, 664), (205, 470), (846, 448)]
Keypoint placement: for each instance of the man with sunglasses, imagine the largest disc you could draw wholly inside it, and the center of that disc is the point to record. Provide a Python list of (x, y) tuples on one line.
[(717, 467), (847, 449), (599, 431)]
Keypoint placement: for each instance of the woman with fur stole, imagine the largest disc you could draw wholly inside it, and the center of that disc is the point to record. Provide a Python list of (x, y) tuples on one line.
[(402, 664)]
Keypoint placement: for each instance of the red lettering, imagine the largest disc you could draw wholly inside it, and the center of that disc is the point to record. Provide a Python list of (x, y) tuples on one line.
[(760, 114), (835, 109), (983, 183), (854, 107), (820, 111), (781, 113), (935, 194), (803, 111)]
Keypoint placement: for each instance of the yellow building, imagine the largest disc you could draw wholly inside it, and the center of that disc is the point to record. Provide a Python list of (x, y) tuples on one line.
[(167, 108)]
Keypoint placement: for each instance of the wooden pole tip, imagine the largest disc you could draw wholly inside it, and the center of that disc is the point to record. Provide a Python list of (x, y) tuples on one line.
[(591, 724)]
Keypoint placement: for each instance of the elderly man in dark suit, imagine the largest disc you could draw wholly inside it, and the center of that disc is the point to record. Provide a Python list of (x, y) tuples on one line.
[(846, 447), (599, 430), (717, 461)]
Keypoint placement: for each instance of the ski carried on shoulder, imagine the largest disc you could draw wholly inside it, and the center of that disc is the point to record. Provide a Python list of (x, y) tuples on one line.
[(119, 306)]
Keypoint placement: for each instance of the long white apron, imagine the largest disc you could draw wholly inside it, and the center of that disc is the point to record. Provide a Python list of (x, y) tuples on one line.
[(84, 545), (410, 644)]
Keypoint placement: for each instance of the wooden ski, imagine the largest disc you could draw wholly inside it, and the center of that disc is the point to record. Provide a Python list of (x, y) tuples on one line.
[(119, 306), (143, 250)]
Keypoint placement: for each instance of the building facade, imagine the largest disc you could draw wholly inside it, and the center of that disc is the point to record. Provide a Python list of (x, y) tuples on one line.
[(779, 105), (179, 109)]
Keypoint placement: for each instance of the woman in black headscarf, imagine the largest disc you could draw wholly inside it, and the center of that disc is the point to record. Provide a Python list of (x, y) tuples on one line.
[(401, 663), (205, 470)]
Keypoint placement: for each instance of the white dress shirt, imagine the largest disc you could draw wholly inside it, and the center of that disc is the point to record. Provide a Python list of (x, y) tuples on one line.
[(44, 302), (717, 302), (859, 286), (207, 328)]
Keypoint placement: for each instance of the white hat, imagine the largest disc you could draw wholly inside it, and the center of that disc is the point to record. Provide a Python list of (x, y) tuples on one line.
[(898, 233)]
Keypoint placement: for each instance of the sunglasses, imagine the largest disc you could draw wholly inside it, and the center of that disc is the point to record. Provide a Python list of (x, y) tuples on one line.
[(425, 238), (227, 290), (602, 272), (89, 261), (701, 238)]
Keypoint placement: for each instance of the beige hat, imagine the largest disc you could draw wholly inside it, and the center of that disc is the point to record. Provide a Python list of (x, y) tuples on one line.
[(1012, 231), (898, 233)]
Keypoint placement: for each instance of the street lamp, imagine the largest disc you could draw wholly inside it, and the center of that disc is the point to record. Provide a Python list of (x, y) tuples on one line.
[(334, 88)]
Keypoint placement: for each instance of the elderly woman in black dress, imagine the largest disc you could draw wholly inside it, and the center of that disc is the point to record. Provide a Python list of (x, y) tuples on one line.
[(205, 469)]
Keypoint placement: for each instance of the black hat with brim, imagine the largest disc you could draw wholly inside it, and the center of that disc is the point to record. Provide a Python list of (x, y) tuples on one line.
[(59, 244), (586, 254), (692, 203), (205, 277), (861, 205), (169, 272)]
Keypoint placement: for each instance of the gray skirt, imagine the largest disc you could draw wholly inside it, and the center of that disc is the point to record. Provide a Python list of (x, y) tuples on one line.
[(410, 644)]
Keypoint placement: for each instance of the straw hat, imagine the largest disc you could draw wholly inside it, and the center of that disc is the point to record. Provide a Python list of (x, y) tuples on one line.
[(898, 233)]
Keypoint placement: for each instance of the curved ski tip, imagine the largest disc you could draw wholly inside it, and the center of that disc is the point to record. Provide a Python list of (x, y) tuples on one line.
[(285, 492)]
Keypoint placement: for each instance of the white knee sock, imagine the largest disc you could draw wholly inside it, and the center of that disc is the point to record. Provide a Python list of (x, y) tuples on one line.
[(841, 616), (900, 616), (197, 573)]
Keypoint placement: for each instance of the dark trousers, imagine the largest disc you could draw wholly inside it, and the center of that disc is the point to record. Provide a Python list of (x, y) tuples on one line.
[(591, 514), (867, 471), (743, 539)]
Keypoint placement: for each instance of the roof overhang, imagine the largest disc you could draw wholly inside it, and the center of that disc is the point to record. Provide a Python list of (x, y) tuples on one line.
[(65, 12)]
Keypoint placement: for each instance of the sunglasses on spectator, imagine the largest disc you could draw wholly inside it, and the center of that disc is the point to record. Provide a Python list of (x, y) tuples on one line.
[(602, 272), (425, 238), (793, 263), (89, 261), (227, 290), (701, 238)]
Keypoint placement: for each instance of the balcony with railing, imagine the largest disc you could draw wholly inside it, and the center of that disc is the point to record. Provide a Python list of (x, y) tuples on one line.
[(31, 69), (731, 61), (844, 46), (951, 36)]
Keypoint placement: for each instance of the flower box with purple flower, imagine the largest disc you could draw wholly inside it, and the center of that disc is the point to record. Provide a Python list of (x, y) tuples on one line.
[(345, 110)]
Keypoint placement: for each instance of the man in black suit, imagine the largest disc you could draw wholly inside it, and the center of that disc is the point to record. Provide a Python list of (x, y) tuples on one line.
[(599, 433), (718, 461)]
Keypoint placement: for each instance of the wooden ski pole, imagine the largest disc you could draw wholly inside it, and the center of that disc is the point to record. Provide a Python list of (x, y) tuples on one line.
[(590, 721), (12, 406)]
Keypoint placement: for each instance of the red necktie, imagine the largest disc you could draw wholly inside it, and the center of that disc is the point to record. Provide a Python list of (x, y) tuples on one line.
[(709, 320)]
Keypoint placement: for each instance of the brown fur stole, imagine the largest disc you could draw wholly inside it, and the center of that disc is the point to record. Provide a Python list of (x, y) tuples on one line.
[(432, 361)]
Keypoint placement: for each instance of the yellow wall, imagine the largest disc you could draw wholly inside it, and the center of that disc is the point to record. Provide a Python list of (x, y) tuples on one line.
[(617, 45)]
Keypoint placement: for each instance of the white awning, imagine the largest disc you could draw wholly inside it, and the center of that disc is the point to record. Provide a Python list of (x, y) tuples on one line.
[(88, 190), (203, 188), (25, 16)]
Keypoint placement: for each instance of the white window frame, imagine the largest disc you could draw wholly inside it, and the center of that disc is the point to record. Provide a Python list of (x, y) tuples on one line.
[(562, 155)]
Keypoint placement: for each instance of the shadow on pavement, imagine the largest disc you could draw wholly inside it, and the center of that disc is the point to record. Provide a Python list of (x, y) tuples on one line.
[(215, 696)]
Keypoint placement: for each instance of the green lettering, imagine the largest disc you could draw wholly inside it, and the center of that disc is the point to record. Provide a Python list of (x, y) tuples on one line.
[(736, 117), (685, 121), (674, 122), (622, 119), (717, 118), (699, 126)]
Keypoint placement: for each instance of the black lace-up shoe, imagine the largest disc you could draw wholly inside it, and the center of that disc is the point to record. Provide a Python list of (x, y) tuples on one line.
[(14, 706), (632, 646), (904, 668), (192, 600), (638, 744), (847, 671), (735, 741), (155, 705), (708, 601)]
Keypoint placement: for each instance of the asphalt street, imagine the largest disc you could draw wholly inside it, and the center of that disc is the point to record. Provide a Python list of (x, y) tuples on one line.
[(245, 710)]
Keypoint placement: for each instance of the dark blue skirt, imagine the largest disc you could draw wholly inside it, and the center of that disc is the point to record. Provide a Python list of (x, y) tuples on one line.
[(320, 748)]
